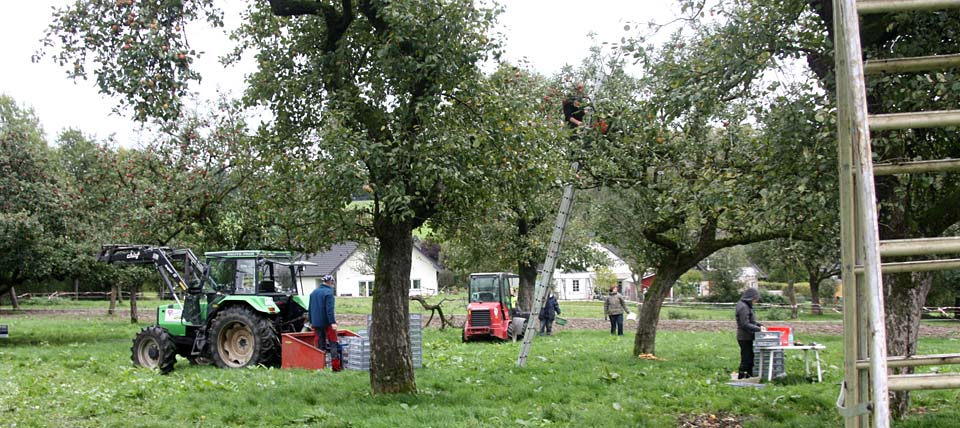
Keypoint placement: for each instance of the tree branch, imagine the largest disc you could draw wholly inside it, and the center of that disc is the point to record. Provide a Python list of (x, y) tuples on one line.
[(294, 7)]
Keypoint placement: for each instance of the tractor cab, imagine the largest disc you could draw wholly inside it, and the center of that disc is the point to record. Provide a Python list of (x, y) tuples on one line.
[(252, 272), (490, 311)]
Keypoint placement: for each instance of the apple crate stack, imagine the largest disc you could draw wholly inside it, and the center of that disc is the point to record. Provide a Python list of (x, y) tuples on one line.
[(356, 350), (768, 338)]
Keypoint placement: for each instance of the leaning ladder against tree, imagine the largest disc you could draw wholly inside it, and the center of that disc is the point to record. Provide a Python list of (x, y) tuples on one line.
[(545, 280), (864, 395)]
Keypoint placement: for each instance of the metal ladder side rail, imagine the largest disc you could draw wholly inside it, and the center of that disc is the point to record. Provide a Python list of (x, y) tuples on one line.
[(545, 280), (864, 339)]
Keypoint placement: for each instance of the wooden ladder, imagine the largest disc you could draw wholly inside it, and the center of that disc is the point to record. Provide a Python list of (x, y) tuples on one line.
[(864, 395)]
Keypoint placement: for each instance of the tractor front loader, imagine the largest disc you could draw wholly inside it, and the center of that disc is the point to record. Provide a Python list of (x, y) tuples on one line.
[(236, 306)]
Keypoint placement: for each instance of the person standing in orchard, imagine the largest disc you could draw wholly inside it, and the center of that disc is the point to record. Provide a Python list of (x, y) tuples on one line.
[(613, 308), (324, 322), (747, 325)]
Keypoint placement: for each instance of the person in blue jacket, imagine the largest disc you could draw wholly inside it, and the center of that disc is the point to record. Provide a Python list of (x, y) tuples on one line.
[(324, 322), (548, 313)]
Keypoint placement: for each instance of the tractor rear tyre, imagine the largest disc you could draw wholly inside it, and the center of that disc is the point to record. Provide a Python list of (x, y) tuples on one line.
[(242, 338), (154, 349)]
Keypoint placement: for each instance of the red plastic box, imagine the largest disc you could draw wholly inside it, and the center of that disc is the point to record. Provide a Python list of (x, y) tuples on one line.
[(786, 334)]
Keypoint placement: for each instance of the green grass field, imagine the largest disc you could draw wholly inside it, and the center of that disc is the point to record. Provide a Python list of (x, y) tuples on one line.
[(75, 371)]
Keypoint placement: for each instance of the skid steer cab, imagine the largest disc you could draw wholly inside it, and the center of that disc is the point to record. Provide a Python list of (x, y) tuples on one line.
[(236, 305), (490, 312)]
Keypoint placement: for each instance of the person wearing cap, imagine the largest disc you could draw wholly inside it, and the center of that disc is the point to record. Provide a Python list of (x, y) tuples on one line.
[(323, 320), (747, 325)]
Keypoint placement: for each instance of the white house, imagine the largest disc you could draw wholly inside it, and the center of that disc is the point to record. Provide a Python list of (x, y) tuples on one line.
[(582, 285), (354, 276)]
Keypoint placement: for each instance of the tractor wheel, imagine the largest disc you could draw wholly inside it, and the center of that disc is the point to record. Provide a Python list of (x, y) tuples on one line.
[(240, 338), (153, 348), (463, 337)]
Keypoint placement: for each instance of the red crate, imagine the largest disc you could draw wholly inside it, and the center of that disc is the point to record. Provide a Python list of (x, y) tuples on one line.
[(786, 336)]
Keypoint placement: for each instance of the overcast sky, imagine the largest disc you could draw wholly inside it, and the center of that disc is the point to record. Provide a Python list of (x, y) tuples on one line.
[(546, 33)]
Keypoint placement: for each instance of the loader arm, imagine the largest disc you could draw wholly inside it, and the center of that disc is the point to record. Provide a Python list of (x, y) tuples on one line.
[(162, 259)]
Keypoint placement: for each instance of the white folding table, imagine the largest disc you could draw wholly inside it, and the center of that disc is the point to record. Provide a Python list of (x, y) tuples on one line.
[(806, 360)]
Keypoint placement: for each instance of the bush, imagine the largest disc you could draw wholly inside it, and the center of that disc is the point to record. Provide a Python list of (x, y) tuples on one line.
[(674, 314), (44, 301), (773, 299), (777, 314)]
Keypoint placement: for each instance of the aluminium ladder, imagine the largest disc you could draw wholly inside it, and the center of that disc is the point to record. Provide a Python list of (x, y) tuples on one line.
[(864, 395), (545, 278)]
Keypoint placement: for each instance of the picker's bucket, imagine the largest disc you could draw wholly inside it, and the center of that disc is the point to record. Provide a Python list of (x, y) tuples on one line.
[(561, 321), (297, 352)]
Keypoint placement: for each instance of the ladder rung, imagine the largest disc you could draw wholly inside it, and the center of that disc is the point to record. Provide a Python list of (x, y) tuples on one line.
[(911, 65), (915, 266), (918, 247), (912, 382), (940, 165), (923, 119), (915, 360), (883, 6)]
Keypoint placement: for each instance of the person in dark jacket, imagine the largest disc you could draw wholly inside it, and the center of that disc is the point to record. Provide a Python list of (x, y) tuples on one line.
[(548, 313), (747, 325), (324, 322)]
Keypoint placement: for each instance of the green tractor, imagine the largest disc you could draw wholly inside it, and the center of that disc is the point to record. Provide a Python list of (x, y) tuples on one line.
[(236, 306)]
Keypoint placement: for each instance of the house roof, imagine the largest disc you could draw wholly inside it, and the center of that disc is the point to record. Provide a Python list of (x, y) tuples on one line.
[(328, 262)]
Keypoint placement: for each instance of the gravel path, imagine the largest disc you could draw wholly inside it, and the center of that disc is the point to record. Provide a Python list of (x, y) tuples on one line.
[(942, 329)]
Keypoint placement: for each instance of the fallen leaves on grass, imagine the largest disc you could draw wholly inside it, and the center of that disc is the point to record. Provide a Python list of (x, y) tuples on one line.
[(708, 421), (650, 357)]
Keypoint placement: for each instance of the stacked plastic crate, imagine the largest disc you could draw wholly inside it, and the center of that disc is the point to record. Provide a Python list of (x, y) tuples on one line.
[(356, 350), (768, 338)]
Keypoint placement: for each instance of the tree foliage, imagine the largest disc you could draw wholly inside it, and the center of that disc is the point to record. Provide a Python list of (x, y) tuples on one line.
[(712, 155)]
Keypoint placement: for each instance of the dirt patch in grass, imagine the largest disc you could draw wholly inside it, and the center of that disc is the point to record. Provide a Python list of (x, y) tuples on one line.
[(800, 328), (708, 421)]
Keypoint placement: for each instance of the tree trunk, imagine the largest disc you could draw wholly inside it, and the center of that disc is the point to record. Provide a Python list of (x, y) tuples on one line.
[(904, 297), (391, 362), (815, 294), (133, 304), (76, 289), (645, 342), (14, 302), (792, 297), (527, 267), (113, 300), (528, 282)]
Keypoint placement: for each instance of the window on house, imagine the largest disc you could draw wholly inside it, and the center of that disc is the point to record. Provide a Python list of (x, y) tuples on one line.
[(416, 284), (366, 288), (576, 286), (620, 284)]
